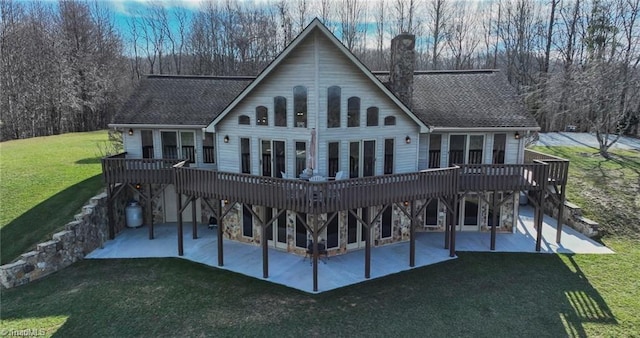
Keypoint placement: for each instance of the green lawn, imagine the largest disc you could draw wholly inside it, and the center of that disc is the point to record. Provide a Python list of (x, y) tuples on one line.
[(478, 295), (45, 181)]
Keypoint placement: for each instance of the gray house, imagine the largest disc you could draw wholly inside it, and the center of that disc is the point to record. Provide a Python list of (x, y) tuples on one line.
[(317, 120)]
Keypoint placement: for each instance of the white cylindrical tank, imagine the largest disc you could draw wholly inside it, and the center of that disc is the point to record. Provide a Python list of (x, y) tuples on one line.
[(134, 215)]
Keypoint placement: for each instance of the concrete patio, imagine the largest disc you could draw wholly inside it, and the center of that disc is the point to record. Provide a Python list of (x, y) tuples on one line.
[(338, 271)]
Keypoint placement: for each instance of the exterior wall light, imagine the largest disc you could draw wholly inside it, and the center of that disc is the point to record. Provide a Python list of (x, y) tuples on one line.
[(517, 135), (130, 132), (407, 139), (226, 139)]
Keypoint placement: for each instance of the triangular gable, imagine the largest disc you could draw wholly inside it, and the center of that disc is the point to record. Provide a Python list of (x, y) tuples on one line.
[(301, 37)]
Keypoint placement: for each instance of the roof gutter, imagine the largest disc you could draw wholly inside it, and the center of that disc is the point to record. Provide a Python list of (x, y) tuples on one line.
[(480, 129), (157, 126)]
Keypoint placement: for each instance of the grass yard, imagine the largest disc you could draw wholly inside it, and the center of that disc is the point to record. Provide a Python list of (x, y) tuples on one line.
[(478, 295), (45, 181)]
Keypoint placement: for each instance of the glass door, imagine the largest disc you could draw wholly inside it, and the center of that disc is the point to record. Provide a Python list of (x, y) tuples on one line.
[(273, 160), (469, 213), (355, 229), (276, 231), (362, 158)]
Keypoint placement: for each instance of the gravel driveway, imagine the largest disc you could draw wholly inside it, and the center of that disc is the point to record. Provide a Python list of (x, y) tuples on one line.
[(583, 139)]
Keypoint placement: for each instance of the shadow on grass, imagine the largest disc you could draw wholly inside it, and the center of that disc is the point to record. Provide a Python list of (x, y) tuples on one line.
[(90, 160), (40, 222), (479, 294)]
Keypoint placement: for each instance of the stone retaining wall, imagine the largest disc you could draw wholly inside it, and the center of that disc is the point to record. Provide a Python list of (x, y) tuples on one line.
[(572, 216), (86, 233)]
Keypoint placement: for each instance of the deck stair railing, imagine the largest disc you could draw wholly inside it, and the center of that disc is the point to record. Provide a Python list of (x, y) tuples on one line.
[(558, 167)]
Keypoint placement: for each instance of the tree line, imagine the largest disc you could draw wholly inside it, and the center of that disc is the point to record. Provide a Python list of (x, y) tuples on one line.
[(66, 67)]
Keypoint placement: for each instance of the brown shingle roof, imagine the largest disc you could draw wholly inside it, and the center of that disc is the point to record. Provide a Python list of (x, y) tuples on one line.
[(468, 99), (180, 100)]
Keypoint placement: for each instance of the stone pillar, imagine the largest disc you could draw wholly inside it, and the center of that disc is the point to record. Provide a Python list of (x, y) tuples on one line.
[(403, 60)]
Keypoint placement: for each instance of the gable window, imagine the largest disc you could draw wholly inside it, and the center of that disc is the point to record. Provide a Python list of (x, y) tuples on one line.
[(333, 106), (208, 151), (390, 121), (353, 112), (244, 119), (372, 116), (300, 106), (262, 115), (147, 143), (280, 111)]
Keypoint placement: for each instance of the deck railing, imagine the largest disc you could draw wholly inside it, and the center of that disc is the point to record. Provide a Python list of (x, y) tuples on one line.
[(503, 177), (119, 169), (558, 167), (316, 197)]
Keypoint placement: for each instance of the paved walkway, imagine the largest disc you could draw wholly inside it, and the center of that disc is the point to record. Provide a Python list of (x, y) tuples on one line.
[(339, 271), (584, 140)]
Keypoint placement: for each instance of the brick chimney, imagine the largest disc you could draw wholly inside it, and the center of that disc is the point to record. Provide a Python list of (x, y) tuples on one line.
[(403, 58)]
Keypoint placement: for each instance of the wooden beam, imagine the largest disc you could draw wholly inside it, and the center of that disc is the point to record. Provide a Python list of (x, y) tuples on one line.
[(560, 213), (220, 234), (493, 222), (180, 239), (194, 217), (315, 252), (454, 221), (538, 220), (149, 203), (265, 251), (412, 236)]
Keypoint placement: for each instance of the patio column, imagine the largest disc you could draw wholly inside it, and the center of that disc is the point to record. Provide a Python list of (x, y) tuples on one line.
[(265, 250), (454, 221), (412, 236), (538, 220), (367, 252), (493, 221), (149, 206), (220, 217), (180, 239), (194, 217), (315, 252), (561, 210)]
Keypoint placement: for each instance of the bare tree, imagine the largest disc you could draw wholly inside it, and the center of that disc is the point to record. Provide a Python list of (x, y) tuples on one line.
[(438, 15)]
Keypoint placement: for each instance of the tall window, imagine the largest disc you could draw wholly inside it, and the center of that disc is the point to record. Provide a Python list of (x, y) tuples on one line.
[(244, 119), (457, 149), (390, 121), (476, 144), (245, 155), (333, 106), (262, 116), (301, 157), (334, 158), (280, 111), (208, 151), (301, 231), (372, 116), (300, 106), (435, 141), (388, 155), (147, 143), (353, 112), (499, 145), (169, 144)]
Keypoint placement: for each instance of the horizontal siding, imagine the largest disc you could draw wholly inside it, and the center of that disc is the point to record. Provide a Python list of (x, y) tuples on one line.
[(423, 152)]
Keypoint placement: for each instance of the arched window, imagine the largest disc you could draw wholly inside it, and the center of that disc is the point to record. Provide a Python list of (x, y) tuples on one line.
[(244, 119), (372, 116), (390, 121), (280, 111), (333, 106), (353, 112), (300, 106), (262, 116)]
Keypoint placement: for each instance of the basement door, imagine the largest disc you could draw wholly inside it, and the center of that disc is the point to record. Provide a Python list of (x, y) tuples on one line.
[(171, 209)]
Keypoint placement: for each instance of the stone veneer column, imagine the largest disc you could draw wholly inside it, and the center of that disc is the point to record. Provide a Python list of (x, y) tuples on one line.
[(403, 60)]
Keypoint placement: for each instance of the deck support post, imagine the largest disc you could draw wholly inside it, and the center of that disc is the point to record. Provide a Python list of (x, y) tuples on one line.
[(220, 217), (367, 252), (493, 221), (110, 215), (265, 250), (412, 236), (315, 252), (180, 239), (538, 220), (149, 206), (194, 217), (560, 212), (454, 221)]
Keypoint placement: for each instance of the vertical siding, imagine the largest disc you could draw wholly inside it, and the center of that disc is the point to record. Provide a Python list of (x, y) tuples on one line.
[(333, 68)]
